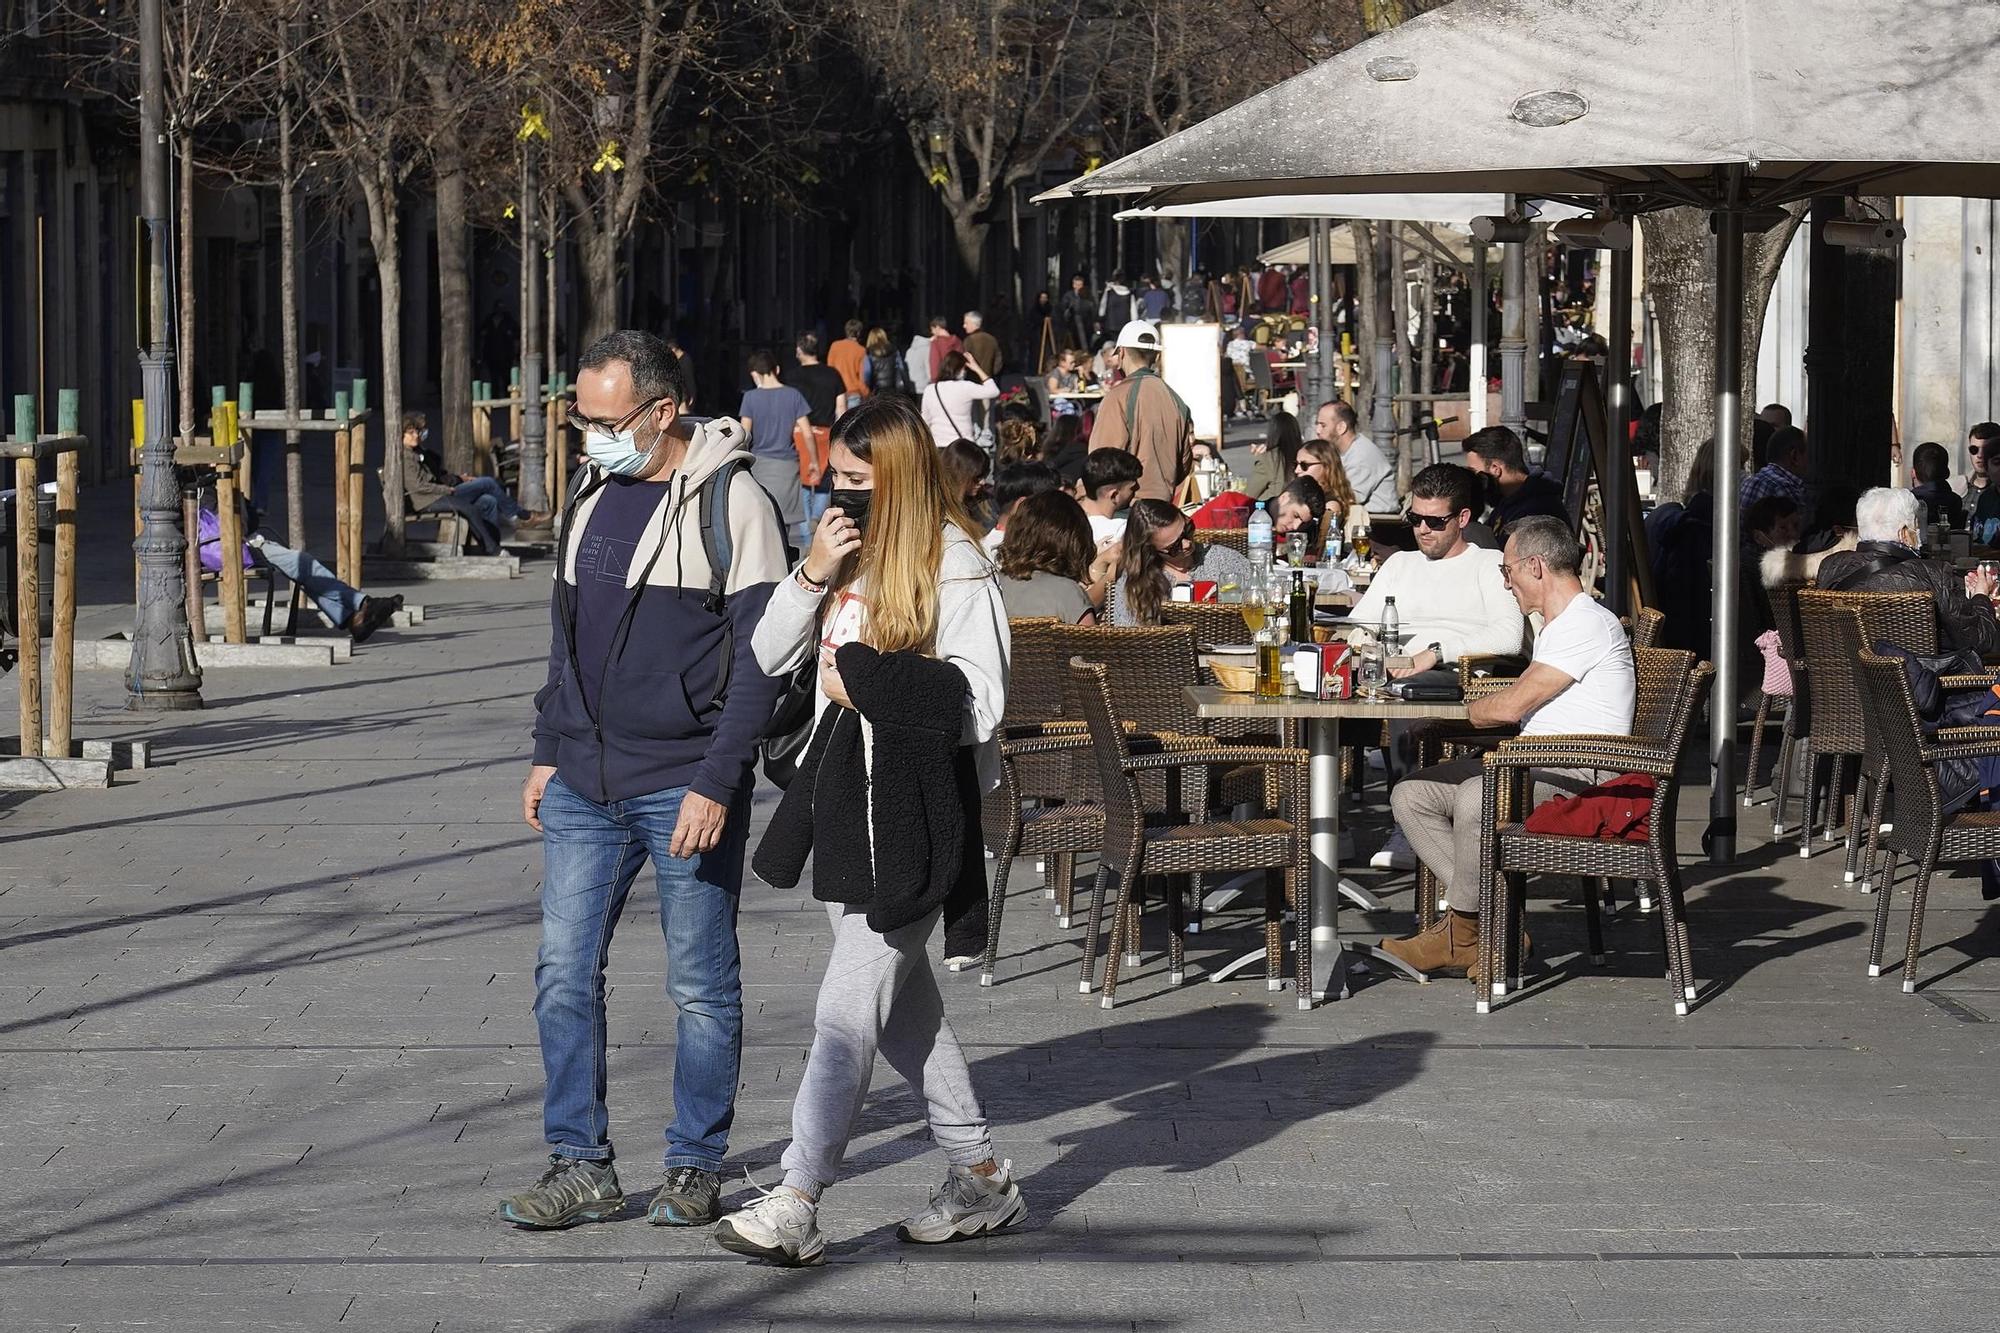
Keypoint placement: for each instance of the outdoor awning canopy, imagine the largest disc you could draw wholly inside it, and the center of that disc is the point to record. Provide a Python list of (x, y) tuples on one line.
[(1643, 102), (1421, 242), (1454, 209)]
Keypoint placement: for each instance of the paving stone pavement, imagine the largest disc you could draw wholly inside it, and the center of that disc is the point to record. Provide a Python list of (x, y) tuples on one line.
[(267, 1060)]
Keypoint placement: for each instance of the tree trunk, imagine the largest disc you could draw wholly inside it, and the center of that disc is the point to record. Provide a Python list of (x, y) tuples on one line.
[(454, 315), (185, 282), (1680, 278), (288, 297), (1537, 298), (385, 232), (1427, 333), (971, 239), (599, 253), (1365, 315), (1405, 369), (1170, 236)]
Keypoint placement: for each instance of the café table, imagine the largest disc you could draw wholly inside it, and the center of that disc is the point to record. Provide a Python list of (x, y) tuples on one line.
[(1322, 719), (1078, 395)]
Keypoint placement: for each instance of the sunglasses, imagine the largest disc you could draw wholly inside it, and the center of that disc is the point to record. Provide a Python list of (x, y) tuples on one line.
[(1434, 522), (1180, 543), (581, 423)]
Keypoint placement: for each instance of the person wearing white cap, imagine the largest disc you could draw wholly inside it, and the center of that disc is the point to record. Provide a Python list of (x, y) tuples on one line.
[(1144, 417)]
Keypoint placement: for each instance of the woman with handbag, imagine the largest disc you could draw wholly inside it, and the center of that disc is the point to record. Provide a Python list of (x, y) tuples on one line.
[(899, 604)]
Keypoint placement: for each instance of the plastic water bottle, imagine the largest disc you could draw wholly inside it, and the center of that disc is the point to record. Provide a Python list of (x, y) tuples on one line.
[(1334, 547), (1391, 627), (1260, 541)]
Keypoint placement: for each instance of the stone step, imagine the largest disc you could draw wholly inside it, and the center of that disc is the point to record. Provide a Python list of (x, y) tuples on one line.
[(383, 569)]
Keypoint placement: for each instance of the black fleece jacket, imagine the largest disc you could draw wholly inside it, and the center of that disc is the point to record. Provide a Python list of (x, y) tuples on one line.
[(896, 831)]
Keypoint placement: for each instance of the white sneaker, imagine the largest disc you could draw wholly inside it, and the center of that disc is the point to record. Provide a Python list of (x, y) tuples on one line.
[(780, 1227), (967, 1204), (1396, 854)]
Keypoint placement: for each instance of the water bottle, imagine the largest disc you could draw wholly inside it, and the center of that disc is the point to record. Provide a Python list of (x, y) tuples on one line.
[(1334, 547), (1260, 537), (1390, 632)]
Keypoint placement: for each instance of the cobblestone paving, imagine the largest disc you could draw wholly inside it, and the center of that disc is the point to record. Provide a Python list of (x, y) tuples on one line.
[(267, 1061)]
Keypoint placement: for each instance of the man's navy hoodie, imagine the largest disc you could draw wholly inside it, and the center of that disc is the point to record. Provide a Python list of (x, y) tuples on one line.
[(632, 710)]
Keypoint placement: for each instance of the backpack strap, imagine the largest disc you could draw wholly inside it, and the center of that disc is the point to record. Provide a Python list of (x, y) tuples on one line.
[(713, 507)]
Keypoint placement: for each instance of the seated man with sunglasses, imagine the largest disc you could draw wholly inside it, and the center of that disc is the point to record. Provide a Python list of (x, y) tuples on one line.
[(1450, 598)]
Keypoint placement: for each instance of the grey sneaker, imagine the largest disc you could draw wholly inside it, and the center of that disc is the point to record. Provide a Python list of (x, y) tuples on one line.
[(689, 1197), (569, 1192), (967, 1204), (780, 1227)]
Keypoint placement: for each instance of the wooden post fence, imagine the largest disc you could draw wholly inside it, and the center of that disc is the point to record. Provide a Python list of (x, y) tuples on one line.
[(27, 448)]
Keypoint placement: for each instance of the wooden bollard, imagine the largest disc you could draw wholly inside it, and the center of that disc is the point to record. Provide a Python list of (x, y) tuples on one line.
[(513, 412), (62, 634), (340, 493), (28, 579), (357, 473), (191, 566), (239, 421), (229, 517)]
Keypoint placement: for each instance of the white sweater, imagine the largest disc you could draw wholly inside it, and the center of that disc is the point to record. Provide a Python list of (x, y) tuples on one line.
[(1461, 603)]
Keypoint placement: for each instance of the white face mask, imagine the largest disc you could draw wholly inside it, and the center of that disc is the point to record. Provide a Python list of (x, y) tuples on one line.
[(618, 453)]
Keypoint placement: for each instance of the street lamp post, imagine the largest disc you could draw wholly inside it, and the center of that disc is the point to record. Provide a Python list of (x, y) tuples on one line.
[(163, 674), (533, 488)]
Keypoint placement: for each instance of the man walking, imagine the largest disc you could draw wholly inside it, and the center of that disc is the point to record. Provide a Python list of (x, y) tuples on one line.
[(1145, 418), (644, 737), (981, 347)]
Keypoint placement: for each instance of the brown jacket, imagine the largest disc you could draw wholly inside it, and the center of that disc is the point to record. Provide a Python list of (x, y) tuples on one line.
[(1144, 417), (984, 348)]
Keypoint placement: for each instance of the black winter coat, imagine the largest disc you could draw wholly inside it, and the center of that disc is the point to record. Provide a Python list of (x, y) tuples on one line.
[(898, 831), (1963, 622)]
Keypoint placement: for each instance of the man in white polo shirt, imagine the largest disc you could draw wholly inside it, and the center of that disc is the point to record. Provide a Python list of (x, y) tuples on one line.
[(1580, 681)]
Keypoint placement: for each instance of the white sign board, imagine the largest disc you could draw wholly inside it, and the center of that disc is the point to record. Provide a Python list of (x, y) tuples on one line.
[(1191, 364)]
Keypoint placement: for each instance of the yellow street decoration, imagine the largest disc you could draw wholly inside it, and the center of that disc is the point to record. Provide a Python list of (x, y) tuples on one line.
[(940, 173), (533, 126), (607, 158), (508, 214)]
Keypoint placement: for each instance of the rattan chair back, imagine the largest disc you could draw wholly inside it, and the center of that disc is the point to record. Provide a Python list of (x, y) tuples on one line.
[(1783, 599), (1236, 539), (1889, 714), (1149, 671), (1828, 621), (1090, 697), (1034, 673), (1646, 623), (1660, 678), (1212, 622)]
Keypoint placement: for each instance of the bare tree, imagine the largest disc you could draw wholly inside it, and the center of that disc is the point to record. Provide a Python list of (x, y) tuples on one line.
[(986, 92), (363, 109)]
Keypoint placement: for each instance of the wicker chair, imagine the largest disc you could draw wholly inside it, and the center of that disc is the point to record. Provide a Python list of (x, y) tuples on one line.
[(1511, 853), (1834, 726), (1137, 847), (1048, 803), (1921, 831), (1236, 539), (1783, 600), (1212, 622)]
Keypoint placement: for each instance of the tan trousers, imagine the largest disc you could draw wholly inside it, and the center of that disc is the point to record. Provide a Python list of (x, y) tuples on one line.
[(1439, 809)]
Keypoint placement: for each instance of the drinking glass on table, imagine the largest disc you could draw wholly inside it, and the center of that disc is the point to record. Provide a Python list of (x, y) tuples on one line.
[(1363, 544)]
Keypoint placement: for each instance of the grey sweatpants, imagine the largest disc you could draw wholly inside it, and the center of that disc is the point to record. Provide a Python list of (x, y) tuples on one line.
[(1439, 809), (879, 994)]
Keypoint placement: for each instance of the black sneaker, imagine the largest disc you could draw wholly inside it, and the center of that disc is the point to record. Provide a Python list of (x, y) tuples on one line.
[(570, 1191), (374, 613), (689, 1197)]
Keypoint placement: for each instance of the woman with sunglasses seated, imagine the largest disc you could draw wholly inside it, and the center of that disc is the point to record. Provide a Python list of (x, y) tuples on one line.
[(1161, 553)]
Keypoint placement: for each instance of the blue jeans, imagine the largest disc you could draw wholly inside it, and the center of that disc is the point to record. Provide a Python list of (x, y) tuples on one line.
[(815, 499), (592, 853), (491, 498), (336, 601)]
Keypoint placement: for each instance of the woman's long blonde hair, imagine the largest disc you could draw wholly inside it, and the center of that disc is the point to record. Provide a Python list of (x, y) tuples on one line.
[(912, 506), (1339, 490)]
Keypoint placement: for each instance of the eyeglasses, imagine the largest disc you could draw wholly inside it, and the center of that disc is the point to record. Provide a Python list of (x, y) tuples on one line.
[(1507, 571), (1435, 522), (581, 423)]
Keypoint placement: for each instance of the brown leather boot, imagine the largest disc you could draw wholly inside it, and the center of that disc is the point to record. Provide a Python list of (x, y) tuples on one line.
[(1449, 947)]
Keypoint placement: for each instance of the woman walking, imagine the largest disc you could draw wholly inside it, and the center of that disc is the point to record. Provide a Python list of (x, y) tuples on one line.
[(900, 605)]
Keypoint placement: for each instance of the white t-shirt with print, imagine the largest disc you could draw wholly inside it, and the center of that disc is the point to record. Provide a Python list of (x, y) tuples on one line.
[(1587, 644)]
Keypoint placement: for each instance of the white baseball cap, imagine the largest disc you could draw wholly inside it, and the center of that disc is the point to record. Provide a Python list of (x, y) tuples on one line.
[(1140, 334)]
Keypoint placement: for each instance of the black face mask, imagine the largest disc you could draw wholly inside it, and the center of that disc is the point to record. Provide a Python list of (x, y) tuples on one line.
[(854, 504)]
